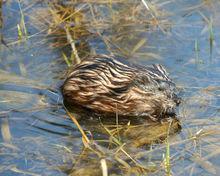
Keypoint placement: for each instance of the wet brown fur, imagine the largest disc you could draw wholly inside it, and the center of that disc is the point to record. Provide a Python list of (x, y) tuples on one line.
[(109, 85)]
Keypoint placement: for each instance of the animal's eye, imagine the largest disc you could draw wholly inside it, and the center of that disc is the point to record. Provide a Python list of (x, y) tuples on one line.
[(163, 86)]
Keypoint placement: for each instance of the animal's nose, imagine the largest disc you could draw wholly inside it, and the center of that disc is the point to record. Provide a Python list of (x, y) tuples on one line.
[(176, 99)]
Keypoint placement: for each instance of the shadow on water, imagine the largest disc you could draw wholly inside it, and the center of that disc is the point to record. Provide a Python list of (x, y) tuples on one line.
[(37, 137)]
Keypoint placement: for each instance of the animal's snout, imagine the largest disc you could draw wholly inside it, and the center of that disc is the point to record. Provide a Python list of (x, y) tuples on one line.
[(177, 99)]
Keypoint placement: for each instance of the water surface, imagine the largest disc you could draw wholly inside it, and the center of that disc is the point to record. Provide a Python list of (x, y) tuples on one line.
[(37, 137)]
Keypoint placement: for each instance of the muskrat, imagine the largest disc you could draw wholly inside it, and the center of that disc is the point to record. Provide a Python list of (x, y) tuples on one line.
[(110, 85)]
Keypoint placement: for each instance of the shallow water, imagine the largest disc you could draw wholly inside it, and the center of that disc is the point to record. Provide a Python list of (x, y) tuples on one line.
[(37, 138)]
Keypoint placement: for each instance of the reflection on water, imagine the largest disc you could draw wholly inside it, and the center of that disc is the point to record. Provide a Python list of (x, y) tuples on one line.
[(36, 134)]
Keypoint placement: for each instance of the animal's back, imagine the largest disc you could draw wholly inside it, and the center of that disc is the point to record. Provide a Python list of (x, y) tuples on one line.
[(109, 85)]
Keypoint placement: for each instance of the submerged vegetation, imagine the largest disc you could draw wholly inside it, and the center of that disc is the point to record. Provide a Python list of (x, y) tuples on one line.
[(41, 39)]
